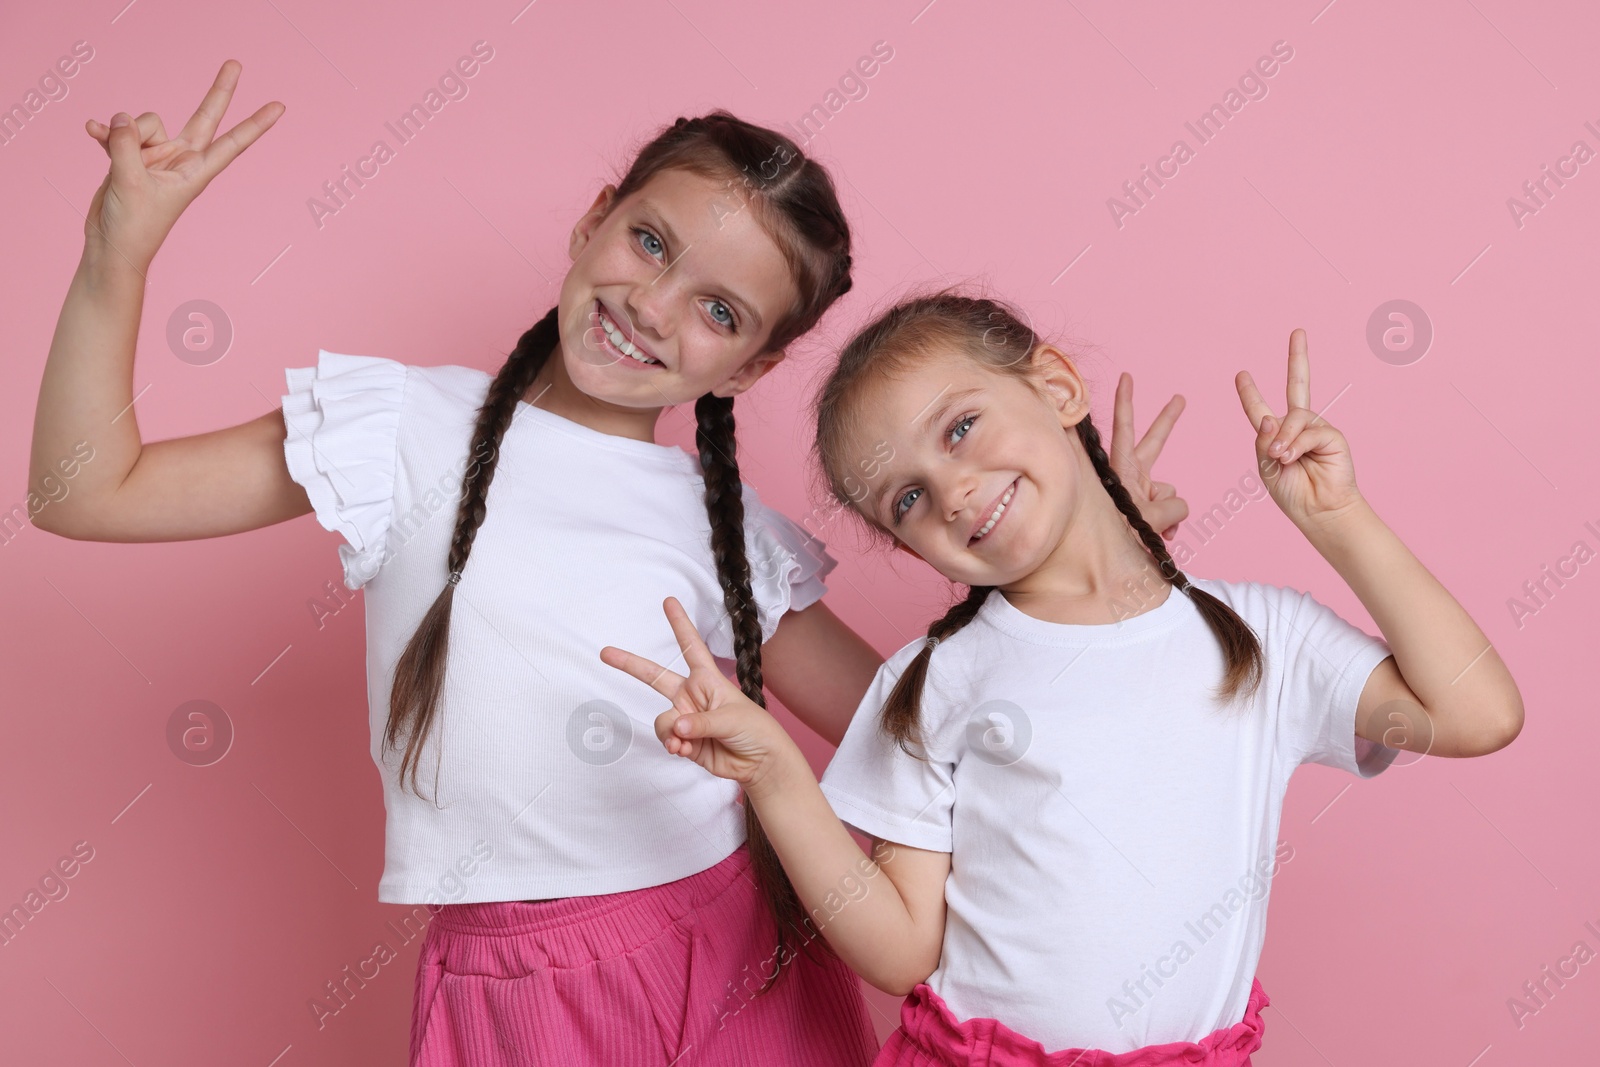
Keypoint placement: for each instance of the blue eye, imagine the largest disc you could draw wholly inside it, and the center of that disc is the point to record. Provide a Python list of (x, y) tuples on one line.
[(957, 432), (730, 321), (901, 506), (646, 238)]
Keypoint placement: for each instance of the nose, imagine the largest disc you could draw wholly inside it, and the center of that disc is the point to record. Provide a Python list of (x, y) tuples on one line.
[(651, 303), (954, 490)]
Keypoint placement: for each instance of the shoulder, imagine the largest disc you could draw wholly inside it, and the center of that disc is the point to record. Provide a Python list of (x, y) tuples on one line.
[(1256, 602), (458, 388)]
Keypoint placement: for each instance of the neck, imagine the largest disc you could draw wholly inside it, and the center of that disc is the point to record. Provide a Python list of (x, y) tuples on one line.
[(553, 391), (1099, 573)]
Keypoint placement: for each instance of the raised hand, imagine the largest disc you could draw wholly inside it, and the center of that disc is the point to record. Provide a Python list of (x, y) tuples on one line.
[(1304, 461), (152, 179), (711, 721), (1158, 502)]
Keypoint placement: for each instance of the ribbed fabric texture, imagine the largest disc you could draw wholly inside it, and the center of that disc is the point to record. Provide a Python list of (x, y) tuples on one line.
[(931, 1036), (647, 978)]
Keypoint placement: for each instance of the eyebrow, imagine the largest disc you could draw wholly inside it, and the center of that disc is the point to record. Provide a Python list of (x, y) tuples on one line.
[(659, 217), (925, 422)]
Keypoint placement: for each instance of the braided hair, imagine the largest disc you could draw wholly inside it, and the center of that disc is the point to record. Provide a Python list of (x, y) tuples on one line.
[(797, 203), (992, 333)]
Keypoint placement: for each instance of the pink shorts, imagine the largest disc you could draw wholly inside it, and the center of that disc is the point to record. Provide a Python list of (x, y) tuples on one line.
[(931, 1036), (648, 978)]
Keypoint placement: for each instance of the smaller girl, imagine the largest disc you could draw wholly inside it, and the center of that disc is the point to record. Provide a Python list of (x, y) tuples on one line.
[(1073, 783)]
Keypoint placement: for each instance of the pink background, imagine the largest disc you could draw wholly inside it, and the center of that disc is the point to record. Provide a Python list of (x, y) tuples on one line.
[(220, 899)]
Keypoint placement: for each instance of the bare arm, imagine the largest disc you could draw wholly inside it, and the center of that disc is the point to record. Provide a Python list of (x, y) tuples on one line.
[(890, 930), (206, 485), (1445, 691), (819, 668), (883, 915), (123, 490)]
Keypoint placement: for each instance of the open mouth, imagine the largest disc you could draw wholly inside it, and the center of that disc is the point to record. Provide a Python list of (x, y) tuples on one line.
[(995, 515), (617, 341)]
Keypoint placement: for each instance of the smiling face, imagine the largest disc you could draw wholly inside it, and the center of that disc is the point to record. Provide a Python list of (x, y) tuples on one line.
[(985, 471), (672, 294)]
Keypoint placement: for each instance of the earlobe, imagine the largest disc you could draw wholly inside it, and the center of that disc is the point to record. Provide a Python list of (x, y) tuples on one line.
[(749, 374)]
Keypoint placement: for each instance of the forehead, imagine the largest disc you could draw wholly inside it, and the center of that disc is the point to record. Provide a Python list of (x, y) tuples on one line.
[(895, 406), (718, 237)]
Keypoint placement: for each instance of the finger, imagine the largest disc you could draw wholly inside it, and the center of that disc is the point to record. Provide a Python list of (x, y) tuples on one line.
[(718, 723), (1149, 449), (202, 125), (151, 132), (1298, 389), (647, 671), (675, 745), (695, 652), (123, 145), (1293, 423), (1256, 408), (1165, 515), (664, 733), (1122, 414), (1162, 490), (227, 148), (1320, 438)]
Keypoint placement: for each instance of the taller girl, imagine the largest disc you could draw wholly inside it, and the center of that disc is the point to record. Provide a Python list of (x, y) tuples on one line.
[(609, 900)]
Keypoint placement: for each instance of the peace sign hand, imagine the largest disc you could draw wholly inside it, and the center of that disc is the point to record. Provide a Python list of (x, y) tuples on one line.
[(152, 179), (1304, 461), (1158, 502), (711, 721)]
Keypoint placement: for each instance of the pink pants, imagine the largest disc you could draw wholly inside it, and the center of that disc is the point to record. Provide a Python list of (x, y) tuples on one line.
[(648, 978), (931, 1036)]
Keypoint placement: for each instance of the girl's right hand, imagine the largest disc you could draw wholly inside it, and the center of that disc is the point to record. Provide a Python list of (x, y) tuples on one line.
[(711, 721), (152, 179)]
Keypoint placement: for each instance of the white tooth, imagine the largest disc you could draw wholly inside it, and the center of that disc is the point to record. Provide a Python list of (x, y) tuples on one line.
[(625, 346)]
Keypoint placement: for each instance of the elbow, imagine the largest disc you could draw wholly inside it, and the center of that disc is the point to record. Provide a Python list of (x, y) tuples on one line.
[(1495, 731), (896, 986), (900, 981), (1511, 726), (52, 520)]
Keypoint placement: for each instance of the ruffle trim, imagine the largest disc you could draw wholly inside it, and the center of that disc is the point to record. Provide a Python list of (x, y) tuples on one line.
[(342, 417)]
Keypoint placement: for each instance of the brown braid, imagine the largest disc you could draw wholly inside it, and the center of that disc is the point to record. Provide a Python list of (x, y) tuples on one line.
[(419, 675), (719, 465), (994, 336), (1241, 648)]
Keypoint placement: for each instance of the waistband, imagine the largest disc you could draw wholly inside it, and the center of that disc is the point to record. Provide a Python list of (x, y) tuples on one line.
[(571, 931), (927, 1022)]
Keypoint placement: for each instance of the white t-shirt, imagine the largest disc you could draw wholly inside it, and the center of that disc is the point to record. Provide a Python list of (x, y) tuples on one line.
[(550, 762), (1108, 822)]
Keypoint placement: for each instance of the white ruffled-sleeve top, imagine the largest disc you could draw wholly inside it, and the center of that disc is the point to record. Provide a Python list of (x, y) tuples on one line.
[(541, 757)]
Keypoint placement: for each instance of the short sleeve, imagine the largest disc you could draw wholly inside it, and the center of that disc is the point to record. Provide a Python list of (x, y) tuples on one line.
[(1326, 662), (787, 568), (877, 787), (342, 418)]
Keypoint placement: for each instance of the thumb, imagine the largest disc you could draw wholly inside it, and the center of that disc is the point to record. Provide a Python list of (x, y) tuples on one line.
[(124, 144), (719, 723)]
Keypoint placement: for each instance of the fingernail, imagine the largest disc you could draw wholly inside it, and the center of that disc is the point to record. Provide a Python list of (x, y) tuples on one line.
[(119, 119)]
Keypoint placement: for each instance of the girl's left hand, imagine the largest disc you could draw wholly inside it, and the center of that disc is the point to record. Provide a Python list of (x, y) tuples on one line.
[(1304, 461)]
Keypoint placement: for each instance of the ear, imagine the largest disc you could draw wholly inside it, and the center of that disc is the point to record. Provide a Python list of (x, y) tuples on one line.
[(586, 226), (1061, 384), (749, 374)]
